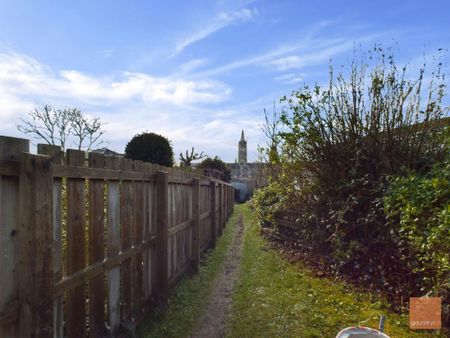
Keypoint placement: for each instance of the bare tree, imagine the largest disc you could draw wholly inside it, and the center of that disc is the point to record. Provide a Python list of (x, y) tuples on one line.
[(186, 161), (87, 130), (57, 126), (47, 124)]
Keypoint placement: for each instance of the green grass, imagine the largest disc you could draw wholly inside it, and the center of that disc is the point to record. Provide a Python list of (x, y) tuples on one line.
[(275, 298), (188, 297)]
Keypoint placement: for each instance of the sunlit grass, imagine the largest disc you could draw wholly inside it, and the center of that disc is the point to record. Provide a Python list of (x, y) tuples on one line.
[(275, 298)]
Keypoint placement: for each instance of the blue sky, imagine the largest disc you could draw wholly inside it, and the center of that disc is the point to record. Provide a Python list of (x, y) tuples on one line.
[(195, 71)]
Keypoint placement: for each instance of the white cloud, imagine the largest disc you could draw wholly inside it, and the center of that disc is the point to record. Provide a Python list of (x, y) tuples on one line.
[(180, 108), (311, 57), (295, 55), (20, 75), (290, 78), (321, 52), (221, 21)]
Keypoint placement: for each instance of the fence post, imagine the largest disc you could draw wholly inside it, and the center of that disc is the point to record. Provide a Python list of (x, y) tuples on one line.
[(55, 152), (221, 205), (196, 223), (162, 278), (35, 246), (228, 202), (232, 198), (225, 202), (219, 223), (213, 214), (10, 149)]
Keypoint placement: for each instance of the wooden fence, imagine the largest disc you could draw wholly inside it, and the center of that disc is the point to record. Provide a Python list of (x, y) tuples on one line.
[(89, 245)]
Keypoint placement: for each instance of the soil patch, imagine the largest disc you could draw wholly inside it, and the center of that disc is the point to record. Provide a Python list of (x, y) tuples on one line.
[(212, 322)]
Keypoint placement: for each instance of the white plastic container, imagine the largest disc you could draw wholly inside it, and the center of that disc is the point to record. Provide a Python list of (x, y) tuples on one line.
[(360, 332)]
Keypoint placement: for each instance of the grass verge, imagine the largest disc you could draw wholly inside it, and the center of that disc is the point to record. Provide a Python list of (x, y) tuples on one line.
[(275, 298), (187, 298)]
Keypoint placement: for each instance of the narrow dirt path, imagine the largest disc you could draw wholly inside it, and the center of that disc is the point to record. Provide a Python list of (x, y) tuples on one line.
[(212, 322)]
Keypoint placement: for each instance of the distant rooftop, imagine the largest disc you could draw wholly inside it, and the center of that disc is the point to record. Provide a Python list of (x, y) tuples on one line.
[(106, 151)]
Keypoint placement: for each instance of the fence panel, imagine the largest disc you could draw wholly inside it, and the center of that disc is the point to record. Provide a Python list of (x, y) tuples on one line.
[(108, 237)]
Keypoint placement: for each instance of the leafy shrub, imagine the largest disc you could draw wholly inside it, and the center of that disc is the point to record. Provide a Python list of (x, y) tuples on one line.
[(420, 205), (339, 145), (150, 147)]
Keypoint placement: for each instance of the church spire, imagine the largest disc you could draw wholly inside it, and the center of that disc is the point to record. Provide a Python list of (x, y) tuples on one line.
[(242, 149)]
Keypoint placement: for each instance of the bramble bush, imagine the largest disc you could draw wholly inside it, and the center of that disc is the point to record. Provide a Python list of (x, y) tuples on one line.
[(345, 151)]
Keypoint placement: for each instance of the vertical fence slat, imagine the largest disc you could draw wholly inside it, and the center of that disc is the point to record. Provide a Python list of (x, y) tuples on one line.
[(162, 278), (76, 243), (10, 149), (137, 232), (195, 223), (57, 157), (96, 248), (126, 224), (35, 246), (221, 205), (113, 247), (147, 232), (154, 265), (213, 213)]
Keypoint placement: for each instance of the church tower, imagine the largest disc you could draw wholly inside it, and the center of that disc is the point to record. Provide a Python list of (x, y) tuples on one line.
[(242, 150)]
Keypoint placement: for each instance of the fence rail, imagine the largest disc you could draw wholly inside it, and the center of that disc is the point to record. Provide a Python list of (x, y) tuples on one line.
[(89, 245)]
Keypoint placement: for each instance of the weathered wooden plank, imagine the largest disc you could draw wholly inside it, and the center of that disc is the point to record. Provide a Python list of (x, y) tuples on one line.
[(212, 216), (174, 254), (9, 168), (196, 224), (137, 233), (153, 227), (221, 208), (9, 203), (76, 244), (35, 246), (162, 278), (58, 324), (126, 225), (113, 247), (57, 157), (100, 173), (147, 231), (94, 270), (96, 248), (55, 152), (10, 150), (180, 227)]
